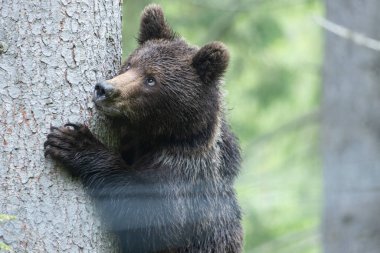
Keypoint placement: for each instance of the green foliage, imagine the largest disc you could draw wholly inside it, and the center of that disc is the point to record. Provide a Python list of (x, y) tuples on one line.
[(6, 217), (270, 89), (273, 94), (4, 247), (3, 218)]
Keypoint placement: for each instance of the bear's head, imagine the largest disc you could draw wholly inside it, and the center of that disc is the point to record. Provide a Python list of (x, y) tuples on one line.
[(166, 87)]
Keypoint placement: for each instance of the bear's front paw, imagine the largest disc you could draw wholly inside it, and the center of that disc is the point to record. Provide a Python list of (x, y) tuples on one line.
[(66, 144)]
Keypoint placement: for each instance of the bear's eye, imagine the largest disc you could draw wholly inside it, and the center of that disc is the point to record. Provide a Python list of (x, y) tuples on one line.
[(150, 81)]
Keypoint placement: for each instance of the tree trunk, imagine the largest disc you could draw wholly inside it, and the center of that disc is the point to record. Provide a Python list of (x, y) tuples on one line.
[(51, 55), (351, 131)]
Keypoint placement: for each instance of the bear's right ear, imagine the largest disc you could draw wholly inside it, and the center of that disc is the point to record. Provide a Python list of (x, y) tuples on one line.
[(153, 25), (211, 61)]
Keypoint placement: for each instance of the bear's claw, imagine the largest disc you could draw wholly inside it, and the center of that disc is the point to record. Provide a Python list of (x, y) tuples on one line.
[(73, 125), (63, 143)]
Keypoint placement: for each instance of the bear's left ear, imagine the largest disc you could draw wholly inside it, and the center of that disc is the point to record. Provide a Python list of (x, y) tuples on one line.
[(153, 25), (211, 61)]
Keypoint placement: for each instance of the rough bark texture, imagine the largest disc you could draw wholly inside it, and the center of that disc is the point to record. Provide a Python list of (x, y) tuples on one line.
[(52, 54), (351, 131)]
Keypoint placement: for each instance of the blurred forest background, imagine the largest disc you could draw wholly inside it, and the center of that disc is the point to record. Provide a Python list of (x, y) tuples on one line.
[(273, 92)]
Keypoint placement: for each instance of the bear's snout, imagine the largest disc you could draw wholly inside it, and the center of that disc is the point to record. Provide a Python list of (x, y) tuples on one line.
[(103, 90)]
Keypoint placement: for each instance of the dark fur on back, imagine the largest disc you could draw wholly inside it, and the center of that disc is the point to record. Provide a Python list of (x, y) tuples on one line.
[(170, 189)]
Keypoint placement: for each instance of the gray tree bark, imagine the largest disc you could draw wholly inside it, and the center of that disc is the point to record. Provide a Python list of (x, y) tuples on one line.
[(351, 131), (51, 55)]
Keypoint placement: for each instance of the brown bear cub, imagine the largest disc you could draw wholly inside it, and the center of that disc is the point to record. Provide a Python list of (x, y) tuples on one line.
[(170, 189)]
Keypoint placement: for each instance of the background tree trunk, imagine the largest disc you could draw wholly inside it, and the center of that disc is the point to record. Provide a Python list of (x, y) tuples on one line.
[(55, 53), (351, 131)]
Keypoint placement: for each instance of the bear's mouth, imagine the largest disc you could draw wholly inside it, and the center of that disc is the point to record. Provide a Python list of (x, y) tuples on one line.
[(101, 101), (106, 105), (108, 110)]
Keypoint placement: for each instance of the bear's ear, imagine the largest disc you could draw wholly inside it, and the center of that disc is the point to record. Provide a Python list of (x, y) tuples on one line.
[(153, 25), (211, 61)]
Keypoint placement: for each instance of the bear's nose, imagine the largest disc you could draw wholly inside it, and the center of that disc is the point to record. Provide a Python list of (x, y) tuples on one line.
[(103, 90)]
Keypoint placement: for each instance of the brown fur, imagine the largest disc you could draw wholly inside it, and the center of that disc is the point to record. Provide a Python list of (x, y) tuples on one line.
[(170, 189)]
